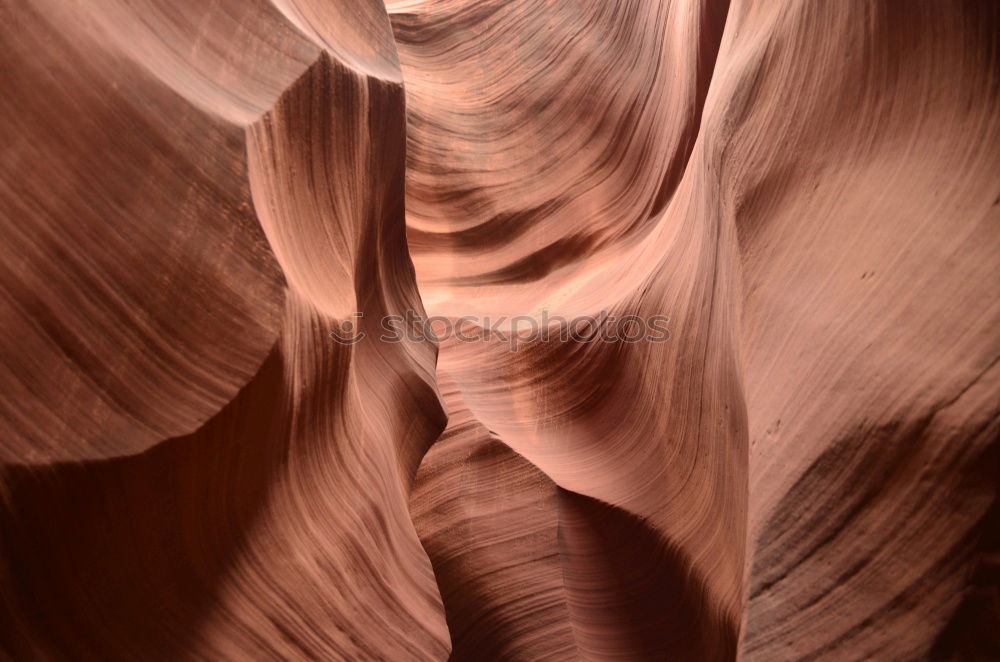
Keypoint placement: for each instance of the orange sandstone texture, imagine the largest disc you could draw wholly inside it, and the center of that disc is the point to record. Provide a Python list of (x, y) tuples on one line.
[(199, 199)]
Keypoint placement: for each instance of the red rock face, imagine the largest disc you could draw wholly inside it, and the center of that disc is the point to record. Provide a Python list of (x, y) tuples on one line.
[(227, 435)]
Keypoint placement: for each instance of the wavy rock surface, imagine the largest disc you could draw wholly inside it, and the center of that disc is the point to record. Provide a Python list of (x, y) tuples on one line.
[(279, 528), (209, 452)]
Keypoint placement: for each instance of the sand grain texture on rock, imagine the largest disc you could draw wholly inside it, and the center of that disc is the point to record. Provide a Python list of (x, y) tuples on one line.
[(210, 447)]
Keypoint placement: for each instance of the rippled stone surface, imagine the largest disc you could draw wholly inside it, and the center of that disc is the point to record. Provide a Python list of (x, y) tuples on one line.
[(209, 448)]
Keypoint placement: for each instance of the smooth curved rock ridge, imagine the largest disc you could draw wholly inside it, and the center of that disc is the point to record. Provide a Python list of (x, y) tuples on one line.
[(208, 450), (280, 527), (139, 294), (219, 545)]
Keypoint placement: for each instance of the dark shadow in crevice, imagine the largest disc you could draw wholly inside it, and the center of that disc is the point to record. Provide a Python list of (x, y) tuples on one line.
[(122, 558), (633, 594)]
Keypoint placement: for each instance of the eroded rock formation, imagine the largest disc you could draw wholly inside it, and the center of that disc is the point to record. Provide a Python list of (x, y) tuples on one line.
[(212, 450)]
